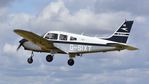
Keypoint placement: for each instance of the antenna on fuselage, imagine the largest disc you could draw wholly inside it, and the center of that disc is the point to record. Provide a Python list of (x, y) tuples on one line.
[(96, 35), (82, 33)]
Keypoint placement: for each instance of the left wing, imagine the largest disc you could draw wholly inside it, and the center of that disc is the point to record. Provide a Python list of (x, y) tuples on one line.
[(34, 38)]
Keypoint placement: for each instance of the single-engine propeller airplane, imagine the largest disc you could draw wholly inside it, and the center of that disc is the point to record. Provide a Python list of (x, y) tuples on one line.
[(58, 42)]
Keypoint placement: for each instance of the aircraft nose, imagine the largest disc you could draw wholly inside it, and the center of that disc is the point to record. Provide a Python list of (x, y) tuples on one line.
[(22, 41)]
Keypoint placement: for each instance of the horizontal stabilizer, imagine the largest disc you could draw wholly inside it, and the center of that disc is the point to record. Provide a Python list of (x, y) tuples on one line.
[(122, 46)]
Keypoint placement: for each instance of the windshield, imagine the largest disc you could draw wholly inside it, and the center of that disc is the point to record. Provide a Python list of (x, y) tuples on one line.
[(51, 36), (43, 35)]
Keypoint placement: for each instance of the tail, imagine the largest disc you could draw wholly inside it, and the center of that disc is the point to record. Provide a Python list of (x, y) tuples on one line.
[(122, 34)]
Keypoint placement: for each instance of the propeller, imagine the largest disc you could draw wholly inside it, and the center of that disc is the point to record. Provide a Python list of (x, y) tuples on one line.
[(21, 43)]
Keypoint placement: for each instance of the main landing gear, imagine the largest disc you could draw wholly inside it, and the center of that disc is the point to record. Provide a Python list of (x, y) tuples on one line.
[(70, 62), (49, 58)]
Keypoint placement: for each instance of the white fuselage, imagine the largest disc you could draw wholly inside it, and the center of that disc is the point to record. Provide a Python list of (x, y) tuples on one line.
[(73, 43)]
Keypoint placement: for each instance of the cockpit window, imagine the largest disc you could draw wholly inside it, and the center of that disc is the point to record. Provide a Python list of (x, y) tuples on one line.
[(51, 36), (63, 37), (73, 38)]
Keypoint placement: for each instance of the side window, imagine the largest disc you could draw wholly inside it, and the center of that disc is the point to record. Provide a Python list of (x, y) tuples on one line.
[(73, 38), (63, 37), (51, 36)]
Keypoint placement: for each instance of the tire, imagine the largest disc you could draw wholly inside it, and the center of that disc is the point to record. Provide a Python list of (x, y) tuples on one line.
[(49, 58), (30, 60), (70, 62)]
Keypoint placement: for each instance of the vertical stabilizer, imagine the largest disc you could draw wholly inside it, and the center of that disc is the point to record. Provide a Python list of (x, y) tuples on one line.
[(122, 34)]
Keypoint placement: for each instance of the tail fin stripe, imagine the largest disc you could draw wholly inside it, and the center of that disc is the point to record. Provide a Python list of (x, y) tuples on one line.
[(121, 35)]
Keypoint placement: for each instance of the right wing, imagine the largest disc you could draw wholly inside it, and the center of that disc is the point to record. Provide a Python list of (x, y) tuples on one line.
[(36, 39)]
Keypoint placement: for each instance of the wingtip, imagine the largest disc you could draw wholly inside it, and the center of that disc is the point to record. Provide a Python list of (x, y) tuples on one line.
[(133, 48), (16, 30), (137, 48)]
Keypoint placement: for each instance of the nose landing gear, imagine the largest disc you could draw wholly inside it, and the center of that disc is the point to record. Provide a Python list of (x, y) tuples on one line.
[(30, 59)]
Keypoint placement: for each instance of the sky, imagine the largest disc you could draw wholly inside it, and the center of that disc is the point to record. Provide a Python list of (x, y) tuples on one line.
[(92, 17)]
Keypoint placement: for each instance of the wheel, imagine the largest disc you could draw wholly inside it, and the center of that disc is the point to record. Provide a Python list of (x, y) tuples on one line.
[(49, 58), (30, 60), (70, 62)]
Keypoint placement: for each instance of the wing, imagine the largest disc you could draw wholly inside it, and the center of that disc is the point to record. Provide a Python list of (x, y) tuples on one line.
[(34, 38), (122, 46)]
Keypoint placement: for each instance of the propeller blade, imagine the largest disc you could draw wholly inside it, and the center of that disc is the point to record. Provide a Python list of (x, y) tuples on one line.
[(21, 43), (19, 46)]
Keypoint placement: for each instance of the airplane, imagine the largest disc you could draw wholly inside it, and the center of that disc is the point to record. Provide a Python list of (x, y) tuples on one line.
[(58, 42)]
